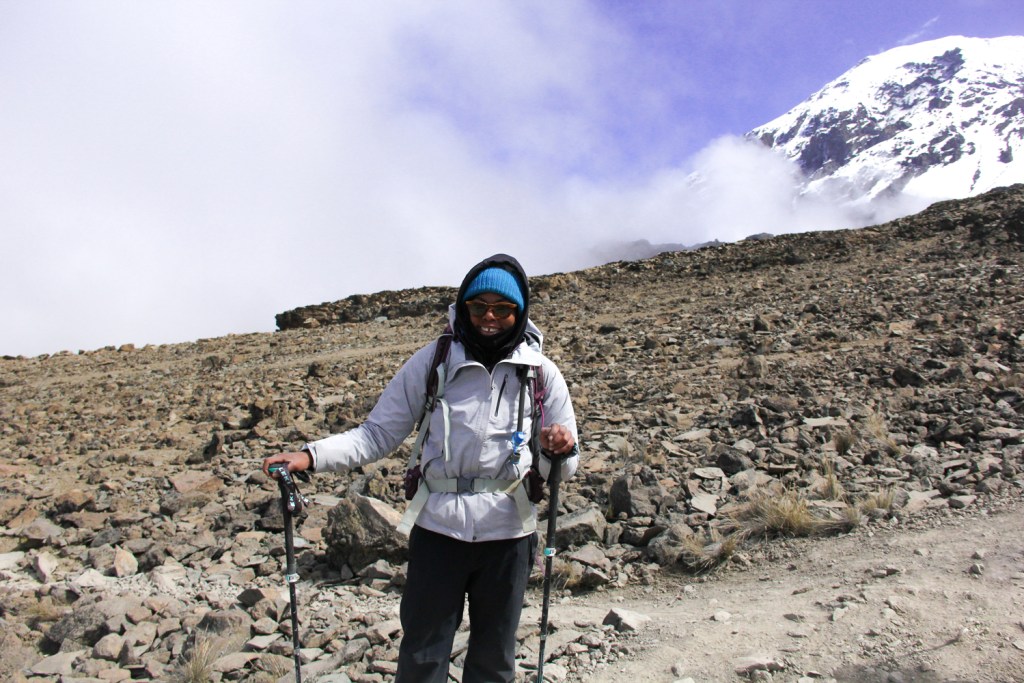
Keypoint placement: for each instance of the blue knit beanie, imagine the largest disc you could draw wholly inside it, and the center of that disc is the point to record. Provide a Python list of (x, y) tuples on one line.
[(498, 281)]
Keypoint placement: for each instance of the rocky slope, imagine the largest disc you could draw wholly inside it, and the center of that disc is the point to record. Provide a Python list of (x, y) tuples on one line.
[(134, 519)]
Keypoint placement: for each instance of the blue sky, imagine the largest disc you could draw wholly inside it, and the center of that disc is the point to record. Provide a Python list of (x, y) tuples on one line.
[(177, 170)]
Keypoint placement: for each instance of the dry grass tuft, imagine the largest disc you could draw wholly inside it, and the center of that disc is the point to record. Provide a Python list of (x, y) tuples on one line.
[(844, 441), (702, 554), (833, 488), (852, 517), (273, 668), (767, 516), (197, 663), (849, 518), (564, 575), (787, 514), (878, 428), (879, 502)]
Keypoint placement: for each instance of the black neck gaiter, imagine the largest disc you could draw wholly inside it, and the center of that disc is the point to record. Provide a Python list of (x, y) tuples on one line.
[(490, 350)]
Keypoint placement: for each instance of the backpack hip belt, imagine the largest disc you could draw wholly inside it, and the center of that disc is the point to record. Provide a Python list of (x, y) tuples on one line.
[(470, 486)]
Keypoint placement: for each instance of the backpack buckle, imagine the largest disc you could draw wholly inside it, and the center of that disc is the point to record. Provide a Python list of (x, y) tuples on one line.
[(465, 484)]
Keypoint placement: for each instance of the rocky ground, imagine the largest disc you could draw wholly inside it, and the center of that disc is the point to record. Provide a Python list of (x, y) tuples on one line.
[(873, 378)]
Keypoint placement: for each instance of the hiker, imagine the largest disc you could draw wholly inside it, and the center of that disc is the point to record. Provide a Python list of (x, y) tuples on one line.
[(472, 529)]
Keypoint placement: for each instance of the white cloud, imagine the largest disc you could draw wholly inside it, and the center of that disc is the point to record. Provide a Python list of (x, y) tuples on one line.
[(732, 189), (177, 170)]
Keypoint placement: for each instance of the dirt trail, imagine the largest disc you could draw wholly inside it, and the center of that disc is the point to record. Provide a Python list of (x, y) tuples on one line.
[(940, 602)]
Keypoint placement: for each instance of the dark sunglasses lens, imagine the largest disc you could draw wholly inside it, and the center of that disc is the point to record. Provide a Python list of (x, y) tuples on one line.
[(503, 310), (499, 310)]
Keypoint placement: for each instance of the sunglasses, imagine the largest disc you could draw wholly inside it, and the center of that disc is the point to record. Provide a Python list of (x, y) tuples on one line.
[(502, 309)]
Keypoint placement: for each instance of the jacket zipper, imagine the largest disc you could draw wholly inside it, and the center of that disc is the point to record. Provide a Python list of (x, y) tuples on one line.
[(501, 392)]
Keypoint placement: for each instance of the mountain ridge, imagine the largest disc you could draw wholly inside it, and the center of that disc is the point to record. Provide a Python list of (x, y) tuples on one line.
[(941, 119), (994, 213)]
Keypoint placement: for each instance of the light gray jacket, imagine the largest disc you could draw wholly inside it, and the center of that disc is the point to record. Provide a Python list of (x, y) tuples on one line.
[(483, 415)]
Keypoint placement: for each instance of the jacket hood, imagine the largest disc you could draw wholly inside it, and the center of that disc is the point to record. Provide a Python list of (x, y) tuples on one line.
[(485, 349)]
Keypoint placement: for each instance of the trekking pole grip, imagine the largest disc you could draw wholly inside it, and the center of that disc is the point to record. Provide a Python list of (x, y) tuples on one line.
[(555, 475)]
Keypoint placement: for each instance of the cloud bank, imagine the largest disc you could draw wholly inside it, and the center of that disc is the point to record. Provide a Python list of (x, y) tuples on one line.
[(173, 171)]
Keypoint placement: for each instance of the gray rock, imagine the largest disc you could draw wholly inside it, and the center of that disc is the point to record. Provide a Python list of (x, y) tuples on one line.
[(580, 527), (361, 530), (60, 664), (45, 566), (224, 621), (748, 664), (12, 560), (732, 461), (234, 661), (667, 547), (631, 496), (40, 532), (754, 366), (626, 620), (355, 649), (704, 502), (590, 555), (262, 642), (108, 647), (907, 377), (334, 678), (124, 563), (83, 626)]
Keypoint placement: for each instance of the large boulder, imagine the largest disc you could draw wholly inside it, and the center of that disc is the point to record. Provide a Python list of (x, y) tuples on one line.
[(586, 525), (83, 626), (362, 530)]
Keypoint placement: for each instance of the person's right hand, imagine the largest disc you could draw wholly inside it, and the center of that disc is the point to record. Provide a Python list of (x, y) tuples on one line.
[(556, 439), (295, 462)]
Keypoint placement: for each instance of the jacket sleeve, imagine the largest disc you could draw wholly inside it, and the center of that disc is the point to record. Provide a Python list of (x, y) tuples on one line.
[(558, 410), (392, 419)]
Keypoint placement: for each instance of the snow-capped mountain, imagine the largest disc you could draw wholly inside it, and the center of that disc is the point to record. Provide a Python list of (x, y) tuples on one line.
[(941, 119)]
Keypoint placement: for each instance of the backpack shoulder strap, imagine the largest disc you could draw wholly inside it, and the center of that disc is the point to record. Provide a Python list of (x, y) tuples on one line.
[(441, 350), (434, 386), (538, 392)]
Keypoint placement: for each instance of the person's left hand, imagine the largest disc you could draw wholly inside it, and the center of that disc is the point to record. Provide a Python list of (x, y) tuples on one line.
[(557, 439)]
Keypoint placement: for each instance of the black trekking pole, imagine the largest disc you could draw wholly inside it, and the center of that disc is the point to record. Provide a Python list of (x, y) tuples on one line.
[(292, 502), (554, 478)]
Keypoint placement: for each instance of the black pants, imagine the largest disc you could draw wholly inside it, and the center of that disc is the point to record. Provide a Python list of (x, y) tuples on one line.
[(442, 572)]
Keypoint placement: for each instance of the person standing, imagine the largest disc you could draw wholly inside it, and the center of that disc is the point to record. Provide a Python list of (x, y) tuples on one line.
[(472, 528)]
